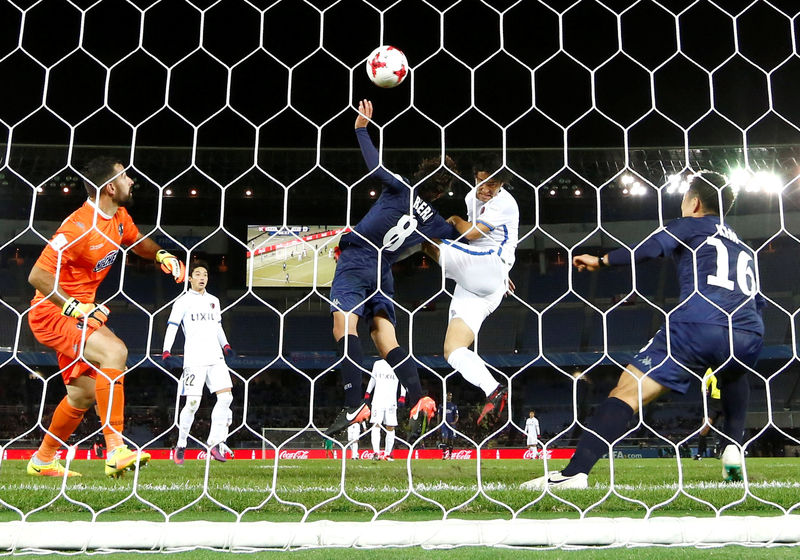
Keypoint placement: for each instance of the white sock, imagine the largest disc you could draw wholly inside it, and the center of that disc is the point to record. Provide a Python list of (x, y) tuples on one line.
[(472, 368), (376, 438), (389, 441), (186, 419), (354, 449), (221, 417)]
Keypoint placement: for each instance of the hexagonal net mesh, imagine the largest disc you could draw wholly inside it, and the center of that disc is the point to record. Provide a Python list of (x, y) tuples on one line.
[(234, 118)]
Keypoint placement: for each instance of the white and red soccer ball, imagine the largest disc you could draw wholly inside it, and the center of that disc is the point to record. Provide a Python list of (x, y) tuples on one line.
[(387, 66)]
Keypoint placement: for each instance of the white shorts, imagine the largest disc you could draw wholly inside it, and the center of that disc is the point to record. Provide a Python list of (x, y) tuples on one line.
[(481, 282), (215, 377), (476, 269), (385, 416), (533, 440)]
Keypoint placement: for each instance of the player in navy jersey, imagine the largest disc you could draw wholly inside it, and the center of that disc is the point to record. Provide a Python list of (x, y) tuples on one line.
[(363, 285), (448, 412), (716, 324)]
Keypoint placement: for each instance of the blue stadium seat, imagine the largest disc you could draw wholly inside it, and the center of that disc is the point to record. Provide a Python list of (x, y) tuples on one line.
[(562, 329), (499, 332), (628, 328)]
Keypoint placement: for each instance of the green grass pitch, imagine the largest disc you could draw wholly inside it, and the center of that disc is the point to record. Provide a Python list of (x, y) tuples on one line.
[(363, 490)]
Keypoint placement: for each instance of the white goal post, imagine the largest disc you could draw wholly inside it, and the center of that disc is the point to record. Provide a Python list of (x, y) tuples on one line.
[(553, 533)]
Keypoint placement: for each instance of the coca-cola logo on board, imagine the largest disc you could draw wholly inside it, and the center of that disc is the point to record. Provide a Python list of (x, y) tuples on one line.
[(299, 454)]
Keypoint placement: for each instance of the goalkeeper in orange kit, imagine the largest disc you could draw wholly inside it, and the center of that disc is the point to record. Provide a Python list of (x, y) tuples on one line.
[(65, 317)]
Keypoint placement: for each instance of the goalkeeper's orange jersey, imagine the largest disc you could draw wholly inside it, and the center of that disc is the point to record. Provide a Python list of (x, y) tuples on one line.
[(86, 251)]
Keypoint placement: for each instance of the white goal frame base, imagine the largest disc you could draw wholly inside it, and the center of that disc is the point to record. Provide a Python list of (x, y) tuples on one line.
[(18, 536)]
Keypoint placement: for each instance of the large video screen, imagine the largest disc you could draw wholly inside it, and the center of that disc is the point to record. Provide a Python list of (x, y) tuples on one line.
[(286, 257)]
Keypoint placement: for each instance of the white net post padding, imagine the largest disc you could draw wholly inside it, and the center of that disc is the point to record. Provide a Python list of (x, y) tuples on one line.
[(721, 528)]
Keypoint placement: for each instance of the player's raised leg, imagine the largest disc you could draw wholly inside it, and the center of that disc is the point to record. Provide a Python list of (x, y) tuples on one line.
[(66, 418), (345, 331), (457, 353), (385, 339)]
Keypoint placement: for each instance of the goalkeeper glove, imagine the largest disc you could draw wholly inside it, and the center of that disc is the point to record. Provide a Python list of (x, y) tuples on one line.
[(96, 315), (171, 264), (169, 360)]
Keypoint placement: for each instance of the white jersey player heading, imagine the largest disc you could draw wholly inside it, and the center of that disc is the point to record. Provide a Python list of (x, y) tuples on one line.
[(200, 317), (501, 215)]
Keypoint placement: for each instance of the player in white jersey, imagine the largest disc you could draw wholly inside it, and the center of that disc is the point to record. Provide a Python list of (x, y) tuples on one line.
[(479, 264), (532, 430), (383, 389), (199, 313), (353, 433)]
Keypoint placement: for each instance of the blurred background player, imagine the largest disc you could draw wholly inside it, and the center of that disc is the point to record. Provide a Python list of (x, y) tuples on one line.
[(479, 262), (327, 445), (712, 396), (363, 285), (205, 349), (382, 389), (448, 413), (532, 432), (353, 433), (65, 317), (699, 337)]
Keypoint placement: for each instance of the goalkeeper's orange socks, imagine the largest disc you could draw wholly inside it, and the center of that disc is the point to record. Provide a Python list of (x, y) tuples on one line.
[(65, 420), (110, 392)]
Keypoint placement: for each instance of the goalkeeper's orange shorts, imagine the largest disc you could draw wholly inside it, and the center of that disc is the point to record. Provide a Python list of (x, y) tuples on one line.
[(63, 334)]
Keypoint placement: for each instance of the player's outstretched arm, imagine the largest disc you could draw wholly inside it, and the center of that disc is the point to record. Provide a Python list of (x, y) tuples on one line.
[(170, 264), (589, 262), (467, 230), (364, 113)]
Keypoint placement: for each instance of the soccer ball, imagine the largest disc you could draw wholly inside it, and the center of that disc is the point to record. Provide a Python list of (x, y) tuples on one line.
[(387, 66)]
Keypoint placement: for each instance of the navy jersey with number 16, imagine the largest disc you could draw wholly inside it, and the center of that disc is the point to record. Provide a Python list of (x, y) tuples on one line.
[(727, 282)]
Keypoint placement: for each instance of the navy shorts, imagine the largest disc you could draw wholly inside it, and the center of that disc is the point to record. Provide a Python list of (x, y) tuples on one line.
[(447, 432), (355, 285), (696, 346)]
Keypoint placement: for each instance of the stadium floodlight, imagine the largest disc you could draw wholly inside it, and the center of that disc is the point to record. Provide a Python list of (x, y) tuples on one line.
[(552, 192), (739, 177), (168, 192), (674, 183), (768, 181), (193, 192), (626, 179), (578, 192), (248, 192), (65, 189)]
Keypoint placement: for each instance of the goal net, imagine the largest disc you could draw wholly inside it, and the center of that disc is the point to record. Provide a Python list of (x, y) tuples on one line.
[(235, 120)]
